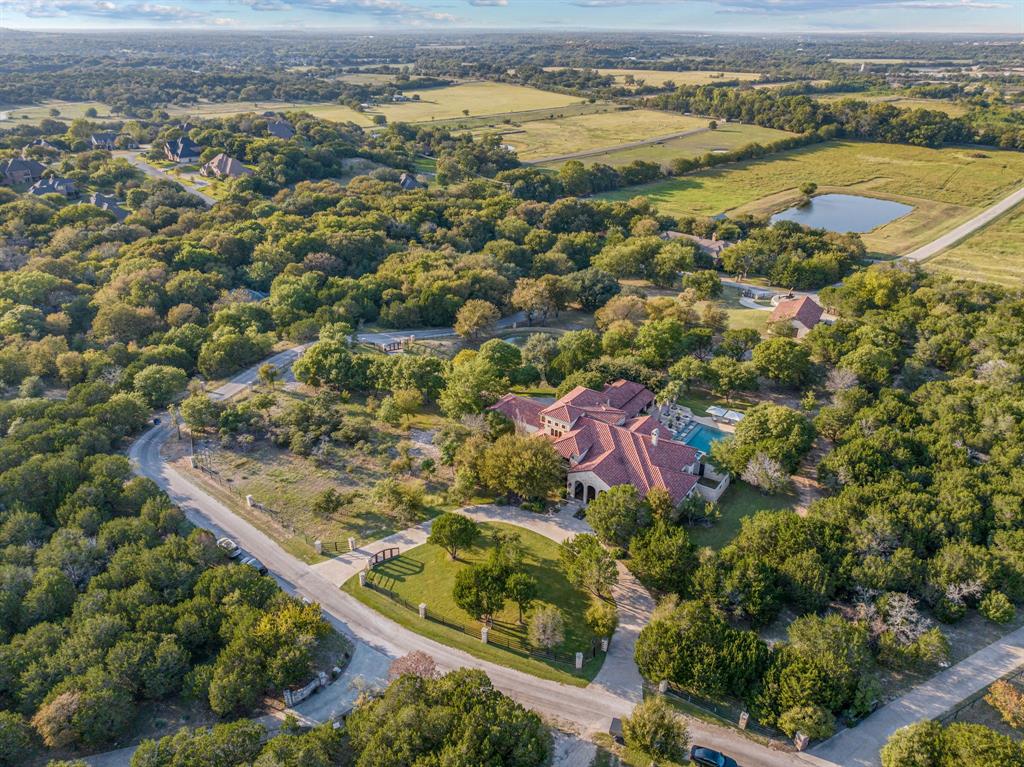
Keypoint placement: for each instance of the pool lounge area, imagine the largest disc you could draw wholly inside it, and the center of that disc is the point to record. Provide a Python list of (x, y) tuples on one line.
[(702, 437)]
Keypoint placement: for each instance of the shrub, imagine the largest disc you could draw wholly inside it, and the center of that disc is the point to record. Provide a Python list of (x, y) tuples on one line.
[(1008, 700), (997, 607), (657, 730), (813, 721)]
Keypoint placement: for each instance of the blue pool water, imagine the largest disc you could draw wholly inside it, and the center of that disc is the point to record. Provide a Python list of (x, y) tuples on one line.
[(702, 437)]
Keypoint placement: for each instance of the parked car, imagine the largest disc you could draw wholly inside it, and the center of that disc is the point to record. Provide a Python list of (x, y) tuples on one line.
[(707, 757), (256, 564), (229, 547)]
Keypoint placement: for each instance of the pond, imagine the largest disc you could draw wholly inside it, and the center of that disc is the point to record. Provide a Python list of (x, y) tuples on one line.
[(845, 213)]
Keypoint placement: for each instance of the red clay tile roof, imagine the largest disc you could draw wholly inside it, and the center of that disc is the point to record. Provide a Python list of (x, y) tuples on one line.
[(519, 409), (618, 401), (628, 456), (803, 310)]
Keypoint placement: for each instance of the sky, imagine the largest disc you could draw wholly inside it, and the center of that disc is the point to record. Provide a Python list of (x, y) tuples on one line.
[(881, 16)]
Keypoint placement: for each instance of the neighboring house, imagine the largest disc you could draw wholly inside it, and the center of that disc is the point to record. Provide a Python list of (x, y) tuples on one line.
[(409, 182), (608, 439), (399, 97), (20, 171), (182, 149), (802, 313), (224, 166), (712, 248), (55, 185), (105, 140), (278, 127), (108, 203), (41, 143)]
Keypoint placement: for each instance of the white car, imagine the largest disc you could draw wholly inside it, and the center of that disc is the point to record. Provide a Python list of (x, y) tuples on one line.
[(229, 547), (255, 564)]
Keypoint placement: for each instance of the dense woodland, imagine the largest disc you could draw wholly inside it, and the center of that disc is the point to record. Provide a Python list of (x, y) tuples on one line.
[(110, 600)]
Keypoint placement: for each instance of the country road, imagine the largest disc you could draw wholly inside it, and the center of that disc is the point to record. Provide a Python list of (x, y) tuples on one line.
[(579, 709), (955, 235), (617, 147)]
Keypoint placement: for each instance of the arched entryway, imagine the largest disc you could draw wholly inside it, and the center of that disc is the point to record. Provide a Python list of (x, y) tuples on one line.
[(591, 493), (577, 490)]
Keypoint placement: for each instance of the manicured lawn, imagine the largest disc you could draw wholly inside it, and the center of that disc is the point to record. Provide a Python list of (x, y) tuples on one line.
[(480, 98), (725, 138), (427, 574), (945, 186), (552, 138), (993, 254), (740, 501), (699, 400)]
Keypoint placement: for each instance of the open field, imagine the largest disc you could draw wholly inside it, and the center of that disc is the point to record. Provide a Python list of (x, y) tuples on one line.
[(993, 254), (691, 77), (480, 98), (325, 109), (553, 138), (726, 138), (939, 105), (503, 121), (11, 117), (945, 186), (426, 574)]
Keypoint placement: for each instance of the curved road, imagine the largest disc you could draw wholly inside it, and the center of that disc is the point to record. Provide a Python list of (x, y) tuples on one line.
[(582, 709)]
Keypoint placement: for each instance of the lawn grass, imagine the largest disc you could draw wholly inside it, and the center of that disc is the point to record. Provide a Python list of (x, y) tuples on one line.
[(952, 108), (12, 117), (945, 186), (993, 254), (739, 501), (480, 98), (502, 121), (426, 574), (552, 138), (727, 137)]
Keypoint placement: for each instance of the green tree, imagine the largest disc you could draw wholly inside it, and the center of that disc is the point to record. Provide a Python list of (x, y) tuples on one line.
[(663, 558), (655, 729), (326, 503), (602, 618), (453, 532), (774, 431), (480, 590), (269, 374), (522, 589), (158, 384), (588, 565), (618, 514), (476, 317), (917, 745), (523, 467), (200, 412), (15, 739)]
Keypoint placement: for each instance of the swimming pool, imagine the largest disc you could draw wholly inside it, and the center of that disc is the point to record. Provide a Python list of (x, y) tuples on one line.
[(702, 437)]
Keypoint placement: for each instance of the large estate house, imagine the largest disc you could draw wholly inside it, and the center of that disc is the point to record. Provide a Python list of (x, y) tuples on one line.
[(610, 438)]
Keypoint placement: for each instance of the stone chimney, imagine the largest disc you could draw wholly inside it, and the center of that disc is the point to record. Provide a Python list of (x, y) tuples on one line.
[(654, 437)]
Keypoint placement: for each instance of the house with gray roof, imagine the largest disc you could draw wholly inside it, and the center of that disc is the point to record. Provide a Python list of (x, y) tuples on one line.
[(409, 182), (18, 170), (224, 166), (182, 149), (55, 185), (108, 203), (278, 127), (105, 140)]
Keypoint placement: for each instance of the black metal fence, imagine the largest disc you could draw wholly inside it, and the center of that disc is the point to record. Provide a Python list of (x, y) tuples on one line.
[(497, 635), (965, 707), (728, 713)]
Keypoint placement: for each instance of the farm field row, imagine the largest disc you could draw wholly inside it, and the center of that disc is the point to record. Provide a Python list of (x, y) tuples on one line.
[(725, 138), (553, 138), (945, 186), (503, 121), (993, 254)]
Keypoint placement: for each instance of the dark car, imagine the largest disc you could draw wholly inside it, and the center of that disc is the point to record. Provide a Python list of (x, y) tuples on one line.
[(707, 757), (255, 563)]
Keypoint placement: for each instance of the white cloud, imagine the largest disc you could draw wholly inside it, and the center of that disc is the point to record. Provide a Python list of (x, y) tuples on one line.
[(109, 9)]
